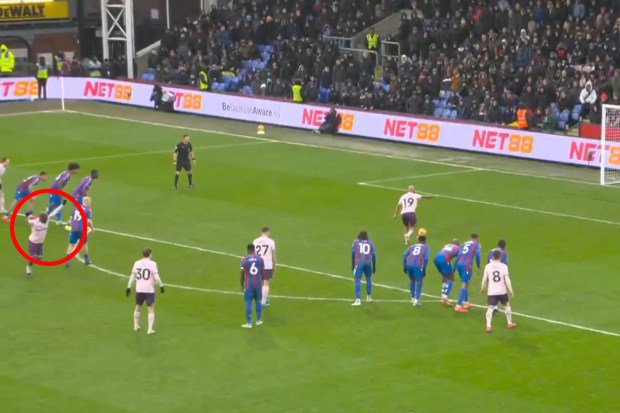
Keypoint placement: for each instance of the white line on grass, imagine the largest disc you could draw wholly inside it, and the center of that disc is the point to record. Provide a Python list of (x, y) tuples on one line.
[(518, 208), (31, 112), (341, 277), (130, 154), (431, 175), (353, 151)]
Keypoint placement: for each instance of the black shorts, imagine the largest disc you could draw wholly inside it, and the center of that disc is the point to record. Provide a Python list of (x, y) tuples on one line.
[(492, 300), (184, 165), (409, 219), (0, 186), (149, 298)]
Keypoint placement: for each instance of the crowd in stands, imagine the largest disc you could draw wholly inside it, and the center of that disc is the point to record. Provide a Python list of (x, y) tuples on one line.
[(468, 59)]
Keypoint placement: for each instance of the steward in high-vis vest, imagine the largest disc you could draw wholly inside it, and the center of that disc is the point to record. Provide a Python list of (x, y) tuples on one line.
[(7, 61), (59, 60), (42, 75), (203, 80), (522, 115), (296, 92), (372, 40)]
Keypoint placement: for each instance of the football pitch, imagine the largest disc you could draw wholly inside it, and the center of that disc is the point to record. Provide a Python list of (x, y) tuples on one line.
[(67, 342)]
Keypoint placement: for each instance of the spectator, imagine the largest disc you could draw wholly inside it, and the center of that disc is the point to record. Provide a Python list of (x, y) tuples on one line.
[(372, 40), (587, 98), (595, 115)]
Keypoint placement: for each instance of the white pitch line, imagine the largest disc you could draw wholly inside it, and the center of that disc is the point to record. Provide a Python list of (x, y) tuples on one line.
[(518, 208), (349, 279), (352, 151), (131, 154), (431, 175), (31, 112)]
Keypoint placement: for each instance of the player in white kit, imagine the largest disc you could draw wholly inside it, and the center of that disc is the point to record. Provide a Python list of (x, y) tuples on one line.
[(145, 275), (497, 280), (407, 205), (266, 248), (38, 232), (4, 163)]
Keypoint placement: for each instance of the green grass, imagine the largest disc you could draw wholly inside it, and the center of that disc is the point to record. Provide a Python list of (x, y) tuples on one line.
[(67, 343)]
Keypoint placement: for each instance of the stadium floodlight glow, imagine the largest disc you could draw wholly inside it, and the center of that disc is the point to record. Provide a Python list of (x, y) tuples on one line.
[(610, 135), (117, 25)]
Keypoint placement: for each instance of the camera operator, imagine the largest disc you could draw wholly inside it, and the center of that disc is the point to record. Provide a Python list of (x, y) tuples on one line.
[(331, 123), (163, 100)]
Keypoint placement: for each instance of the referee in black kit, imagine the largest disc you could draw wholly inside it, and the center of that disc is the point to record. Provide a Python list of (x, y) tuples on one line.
[(180, 159)]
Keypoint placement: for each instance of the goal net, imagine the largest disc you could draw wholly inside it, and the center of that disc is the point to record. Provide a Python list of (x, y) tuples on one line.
[(610, 145)]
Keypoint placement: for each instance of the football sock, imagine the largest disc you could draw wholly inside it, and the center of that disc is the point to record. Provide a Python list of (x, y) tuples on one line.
[(489, 317), (189, 178), (29, 268), (151, 321), (1, 201), (265, 293), (508, 314), (358, 287), (259, 311), (461, 297), (248, 311), (449, 288), (136, 319), (176, 180), (466, 297), (412, 288), (418, 289), (86, 257), (368, 285)]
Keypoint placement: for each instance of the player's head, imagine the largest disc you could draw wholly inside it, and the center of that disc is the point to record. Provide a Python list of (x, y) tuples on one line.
[(146, 252), (251, 249), (265, 231), (422, 239), (94, 174), (411, 188), (501, 244), (73, 167), (43, 175), (86, 201), (363, 235), (185, 138), (456, 242), (4, 161), (43, 218), (497, 254), (474, 236)]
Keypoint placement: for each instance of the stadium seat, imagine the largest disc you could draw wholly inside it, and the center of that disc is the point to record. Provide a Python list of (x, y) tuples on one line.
[(438, 112), (446, 113), (554, 106), (247, 90), (441, 104), (578, 108), (261, 48), (324, 95), (453, 114), (575, 116), (564, 116), (447, 94), (436, 102), (561, 125)]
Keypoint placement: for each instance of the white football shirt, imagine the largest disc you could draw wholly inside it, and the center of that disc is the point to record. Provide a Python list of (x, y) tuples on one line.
[(496, 275), (38, 231), (265, 248), (2, 170), (145, 275), (409, 202)]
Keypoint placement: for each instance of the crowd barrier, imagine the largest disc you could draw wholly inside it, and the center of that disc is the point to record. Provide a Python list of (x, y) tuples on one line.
[(471, 137)]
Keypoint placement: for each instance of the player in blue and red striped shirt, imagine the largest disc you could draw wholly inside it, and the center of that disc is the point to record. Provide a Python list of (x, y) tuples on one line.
[(81, 190), (23, 190), (415, 260), (363, 262), (469, 252), (60, 183), (443, 262), (252, 268), (77, 227), (501, 246)]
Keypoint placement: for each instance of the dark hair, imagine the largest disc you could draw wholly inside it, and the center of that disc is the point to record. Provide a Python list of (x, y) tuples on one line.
[(94, 173), (43, 217), (265, 229), (455, 241), (185, 135), (146, 252), (474, 236), (4, 159), (42, 173), (362, 235), (497, 254), (251, 248), (501, 243), (73, 166), (422, 238)]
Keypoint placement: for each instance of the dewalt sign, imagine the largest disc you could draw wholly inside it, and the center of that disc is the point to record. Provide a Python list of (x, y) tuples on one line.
[(17, 11)]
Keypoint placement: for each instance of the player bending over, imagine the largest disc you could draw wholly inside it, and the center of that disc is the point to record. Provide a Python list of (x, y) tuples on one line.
[(145, 275), (38, 232), (407, 205), (415, 260), (83, 187), (497, 280), (24, 189), (501, 246), (4, 163), (181, 159), (443, 262), (363, 262), (252, 271), (469, 251), (266, 249), (76, 227), (59, 183)]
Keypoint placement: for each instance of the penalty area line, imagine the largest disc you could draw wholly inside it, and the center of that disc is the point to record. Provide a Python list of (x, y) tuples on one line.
[(431, 175)]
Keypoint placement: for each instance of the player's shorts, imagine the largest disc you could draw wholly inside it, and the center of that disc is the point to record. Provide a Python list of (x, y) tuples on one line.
[(492, 300), (409, 219), (252, 293), (267, 274), (415, 273), (444, 267), (55, 200), (149, 298), (184, 165), (363, 269), (75, 237), (35, 250), (19, 195), (0, 186), (465, 273)]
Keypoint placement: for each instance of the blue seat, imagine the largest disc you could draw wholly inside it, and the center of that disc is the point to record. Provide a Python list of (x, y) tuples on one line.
[(438, 112), (265, 56), (575, 116), (453, 114), (447, 94), (561, 125), (440, 104), (233, 85), (148, 77), (268, 48), (578, 108), (446, 113), (554, 106), (247, 90), (436, 102), (564, 116), (324, 95)]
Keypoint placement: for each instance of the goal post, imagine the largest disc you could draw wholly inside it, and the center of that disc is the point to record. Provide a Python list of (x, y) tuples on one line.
[(610, 145)]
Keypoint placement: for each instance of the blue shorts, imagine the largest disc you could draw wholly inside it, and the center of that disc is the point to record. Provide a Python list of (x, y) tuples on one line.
[(415, 273), (78, 199), (55, 200), (363, 269), (75, 236), (444, 267), (21, 195), (252, 293), (465, 273)]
